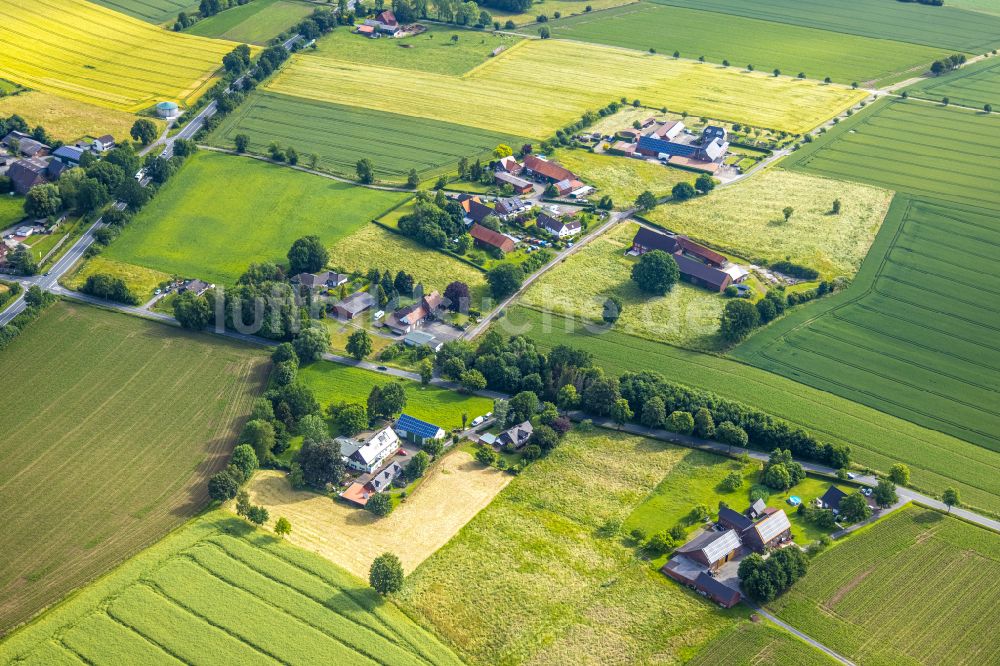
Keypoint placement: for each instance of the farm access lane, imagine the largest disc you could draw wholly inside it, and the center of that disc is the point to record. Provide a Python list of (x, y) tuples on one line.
[(805, 637)]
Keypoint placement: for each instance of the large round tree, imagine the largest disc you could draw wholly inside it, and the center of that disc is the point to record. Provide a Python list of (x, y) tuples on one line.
[(307, 255), (656, 272)]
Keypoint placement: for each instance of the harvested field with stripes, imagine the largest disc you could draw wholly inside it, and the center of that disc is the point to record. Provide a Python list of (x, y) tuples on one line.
[(93, 54), (919, 587), (117, 425), (913, 147), (917, 333), (223, 592), (550, 83), (339, 136), (69, 120), (974, 85), (152, 11)]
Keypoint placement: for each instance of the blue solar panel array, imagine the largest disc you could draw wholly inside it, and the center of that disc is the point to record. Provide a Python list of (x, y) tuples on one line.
[(653, 144), (416, 426)]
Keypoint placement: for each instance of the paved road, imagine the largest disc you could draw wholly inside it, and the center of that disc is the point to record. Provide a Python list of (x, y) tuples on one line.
[(808, 639)]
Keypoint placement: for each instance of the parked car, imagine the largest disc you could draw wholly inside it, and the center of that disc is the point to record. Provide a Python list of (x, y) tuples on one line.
[(852, 475), (379, 314), (476, 421), (382, 368)]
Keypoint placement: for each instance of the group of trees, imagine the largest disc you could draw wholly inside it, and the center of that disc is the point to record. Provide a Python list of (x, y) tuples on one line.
[(765, 579), (504, 280), (948, 64), (565, 136), (740, 317), (781, 472), (109, 287), (225, 485), (433, 222)]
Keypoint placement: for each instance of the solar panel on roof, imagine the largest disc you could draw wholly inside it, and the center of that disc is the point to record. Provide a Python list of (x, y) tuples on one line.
[(772, 526), (726, 543), (416, 426)]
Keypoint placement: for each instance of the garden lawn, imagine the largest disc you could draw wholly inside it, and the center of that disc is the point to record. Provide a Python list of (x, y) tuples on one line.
[(876, 439), (941, 27), (531, 579), (140, 280), (916, 334), (912, 147), (974, 85), (220, 587), (430, 51), (69, 120), (339, 136), (118, 425), (547, 84), (373, 246), (153, 11), (92, 54), (919, 587), (220, 212), (687, 316), (766, 45), (746, 219), (11, 210), (621, 178), (257, 22), (333, 382)]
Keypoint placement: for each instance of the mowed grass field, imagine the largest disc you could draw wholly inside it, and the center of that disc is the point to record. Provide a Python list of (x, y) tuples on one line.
[(620, 178), (69, 120), (746, 219), (11, 210), (877, 439), (92, 54), (254, 23), (941, 27), (221, 212), (547, 84), (764, 44), (916, 588), (687, 316), (912, 147), (454, 490), (371, 246), (916, 335), (333, 382), (141, 281), (153, 11), (340, 135), (117, 425), (975, 85), (430, 51), (220, 591)]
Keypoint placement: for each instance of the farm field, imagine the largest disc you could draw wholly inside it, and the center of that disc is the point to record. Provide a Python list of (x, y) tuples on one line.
[(194, 228), (987, 6), (557, 81), (621, 178), (877, 439), (152, 11), (550, 7), (455, 489), (430, 51), (119, 422), (339, 136), (687, 316), (746, 219), (753, 644), (141, 281), (914, 571), (915, 335), (532, 579), (220, 587), (941, 27), (88, 53), (765, 44), (68, 120), (255, 23), (912, 147), (333, 382), (372, 246), (974, 85)]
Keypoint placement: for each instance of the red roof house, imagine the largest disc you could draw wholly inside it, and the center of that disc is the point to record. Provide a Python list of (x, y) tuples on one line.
[(490, 238)]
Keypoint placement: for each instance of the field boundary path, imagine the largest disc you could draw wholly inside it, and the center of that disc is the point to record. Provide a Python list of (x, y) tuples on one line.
[(805, 637)]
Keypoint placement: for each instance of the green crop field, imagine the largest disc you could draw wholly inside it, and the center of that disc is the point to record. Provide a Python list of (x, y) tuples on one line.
[(755, 644), (339, 136), (746, 219), (153, 11), (431, 51), (547, 84), (764, 44), (117, 425), (941, 27), (332, 382), (987, 6), (221, 212), (916, 588), (937, 460), (916, 335), (257, 22), (974, 85), (913, 147), (221, 591)]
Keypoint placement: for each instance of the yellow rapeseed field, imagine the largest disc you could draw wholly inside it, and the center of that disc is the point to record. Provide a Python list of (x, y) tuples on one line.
[(82, 51), (539, 86)]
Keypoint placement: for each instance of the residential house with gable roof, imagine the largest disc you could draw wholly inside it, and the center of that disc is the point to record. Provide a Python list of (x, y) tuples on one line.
[(369, 453)]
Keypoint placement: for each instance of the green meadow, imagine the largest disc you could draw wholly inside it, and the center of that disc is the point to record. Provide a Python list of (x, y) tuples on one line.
[(219, 213), (974, 85), (254, 23)]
